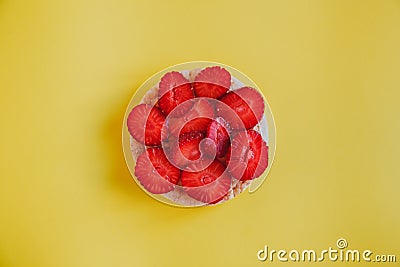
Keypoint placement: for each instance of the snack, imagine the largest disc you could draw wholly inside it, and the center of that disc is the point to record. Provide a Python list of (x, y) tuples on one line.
[(198, 137)]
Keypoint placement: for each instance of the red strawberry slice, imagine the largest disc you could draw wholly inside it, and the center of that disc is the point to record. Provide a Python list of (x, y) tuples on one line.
[(196, 119), (218, 200), (207, 185), (218, 136), (199, 117), (248, 156), (154, 171), (247, 103), (145, 124), (174, 90), (189, 149), (212, 82), (223, 160)]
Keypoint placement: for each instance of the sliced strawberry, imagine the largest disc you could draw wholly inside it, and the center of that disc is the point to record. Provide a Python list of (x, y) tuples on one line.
[(212, 82), (207, 185), (189, 149), (196, 119), (199, 117), (248, 156), (174, 90), (247, 103), (218, 136), (154, 171), (224, 160), (169, 144), (218, 200), (145, 123)]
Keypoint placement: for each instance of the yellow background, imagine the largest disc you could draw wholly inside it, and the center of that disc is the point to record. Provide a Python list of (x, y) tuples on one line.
[(329, 69)]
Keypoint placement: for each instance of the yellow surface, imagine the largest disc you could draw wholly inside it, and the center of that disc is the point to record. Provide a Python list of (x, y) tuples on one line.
[(330, 70)]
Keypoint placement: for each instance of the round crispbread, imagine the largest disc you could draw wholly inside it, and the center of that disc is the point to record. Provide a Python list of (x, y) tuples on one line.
[(178, 196)]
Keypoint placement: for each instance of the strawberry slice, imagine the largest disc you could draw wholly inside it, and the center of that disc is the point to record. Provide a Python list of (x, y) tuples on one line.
[(207, 185), (174, 90), (248, 156), (218, 136), (224, 160), (196, 119), (145, 124), (247, 103), (154, 171), (218, 200), (189, 149), (212, 82)]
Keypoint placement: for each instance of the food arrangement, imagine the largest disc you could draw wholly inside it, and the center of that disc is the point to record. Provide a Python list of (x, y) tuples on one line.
[(198, 136)]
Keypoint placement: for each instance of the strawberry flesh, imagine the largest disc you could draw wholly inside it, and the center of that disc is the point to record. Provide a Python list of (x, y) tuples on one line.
[(154, 171), (212, 82), (207, 185), (196, 119), (218, 136), (248, 156), (174, 89), (247, 103), (189, 149), (145, 123)]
